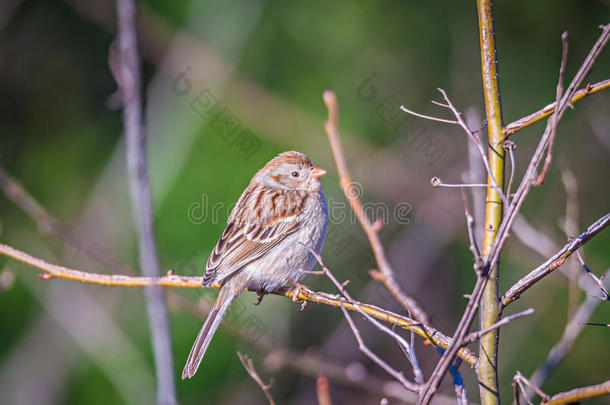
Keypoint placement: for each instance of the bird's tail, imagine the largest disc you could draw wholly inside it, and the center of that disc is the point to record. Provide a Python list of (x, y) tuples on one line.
[(222, 304)]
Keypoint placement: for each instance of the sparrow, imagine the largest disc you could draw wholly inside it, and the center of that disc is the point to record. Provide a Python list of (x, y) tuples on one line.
[(280, 216)]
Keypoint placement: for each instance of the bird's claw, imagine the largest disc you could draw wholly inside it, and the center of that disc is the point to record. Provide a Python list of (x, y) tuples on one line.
[(261, 294), (295, 296)]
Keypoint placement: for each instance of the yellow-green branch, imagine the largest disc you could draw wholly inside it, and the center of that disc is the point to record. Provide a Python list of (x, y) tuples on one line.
[(550, 108), (50, 270), (490, 307)]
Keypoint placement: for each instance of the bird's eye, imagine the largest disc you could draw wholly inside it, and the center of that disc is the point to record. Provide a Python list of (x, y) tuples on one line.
[(295, 174)]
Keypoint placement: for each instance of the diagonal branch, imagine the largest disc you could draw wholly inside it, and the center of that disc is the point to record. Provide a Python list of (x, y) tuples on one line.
[(372, 230), (554, 261), (526, 121), (578, 394), (248, 364)]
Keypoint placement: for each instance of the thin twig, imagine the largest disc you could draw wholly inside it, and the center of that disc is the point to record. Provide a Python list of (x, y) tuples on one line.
[(372, 232), (248, 364), (428, 117), (437, 182), (510, 147), (570, 227), (595, 279), (550, 109), (555, 121), (371, 355), (171, 280), (554, 262), (520, 378), (474, 336), (128, 80), (399, 339), (474, 248), (578, 394)]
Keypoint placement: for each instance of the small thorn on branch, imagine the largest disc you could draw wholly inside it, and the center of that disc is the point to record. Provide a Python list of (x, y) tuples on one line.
[(45, 276)]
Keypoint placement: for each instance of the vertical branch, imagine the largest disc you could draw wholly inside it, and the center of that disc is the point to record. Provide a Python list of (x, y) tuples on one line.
[(128, 79), (490, 306)]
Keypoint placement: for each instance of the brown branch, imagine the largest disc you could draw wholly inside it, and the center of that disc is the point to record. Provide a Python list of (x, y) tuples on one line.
[(248, 364), (520, 379), (372, 231), (555, 121), (323, 390), (550, 109), (303, 293), (578, 394), (458, 339), (554, 262)]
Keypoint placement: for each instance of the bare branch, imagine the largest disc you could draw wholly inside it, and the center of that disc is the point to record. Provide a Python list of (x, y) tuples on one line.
[(248, 364), (477, 335), (371, 355), (595, 279), (434, 336), (555, 121), (474, 248), (332, 130), (510, 147), (550, 109), (128, 80), (399, 339), (428, 117), (520, 379), (578, 394), (437, 182), (554, 262)]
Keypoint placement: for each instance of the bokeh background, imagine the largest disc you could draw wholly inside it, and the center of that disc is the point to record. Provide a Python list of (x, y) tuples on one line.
[(266, 64)]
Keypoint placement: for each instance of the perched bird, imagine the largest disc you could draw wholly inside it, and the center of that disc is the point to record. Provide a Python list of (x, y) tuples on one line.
[(278, 218)]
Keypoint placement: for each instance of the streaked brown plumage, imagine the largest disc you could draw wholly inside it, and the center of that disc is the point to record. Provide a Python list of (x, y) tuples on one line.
[(279, 216)]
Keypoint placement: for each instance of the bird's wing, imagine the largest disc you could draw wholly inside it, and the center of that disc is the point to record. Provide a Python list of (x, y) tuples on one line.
[(245, 241)]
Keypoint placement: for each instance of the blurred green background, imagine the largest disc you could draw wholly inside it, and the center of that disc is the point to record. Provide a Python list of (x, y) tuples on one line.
[(266, 63)]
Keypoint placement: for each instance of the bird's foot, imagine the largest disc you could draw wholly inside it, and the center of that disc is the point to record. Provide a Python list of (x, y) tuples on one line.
[(295, 295), (261, 294)]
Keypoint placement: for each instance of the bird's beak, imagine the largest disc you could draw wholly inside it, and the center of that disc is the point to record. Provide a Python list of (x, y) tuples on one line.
[(317, 172)]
